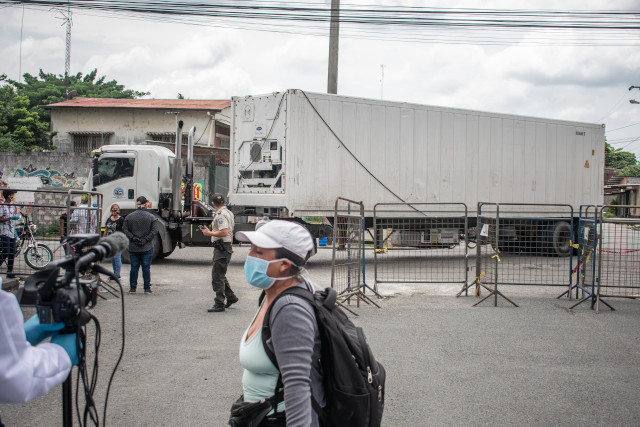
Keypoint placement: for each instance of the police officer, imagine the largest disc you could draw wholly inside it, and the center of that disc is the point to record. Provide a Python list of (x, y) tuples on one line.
[(221, 235)]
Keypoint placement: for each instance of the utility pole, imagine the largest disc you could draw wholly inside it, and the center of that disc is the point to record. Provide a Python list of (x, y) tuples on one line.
[(334, 33)]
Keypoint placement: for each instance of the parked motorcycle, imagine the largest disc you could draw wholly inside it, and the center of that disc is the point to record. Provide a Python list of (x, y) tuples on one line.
[(36, 255)]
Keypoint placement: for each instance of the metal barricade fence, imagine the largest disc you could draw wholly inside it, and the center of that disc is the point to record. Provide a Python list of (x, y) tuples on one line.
[(420, 243), (618, 253), (40, 220), (525, 244), (584, 271), (348, 246)]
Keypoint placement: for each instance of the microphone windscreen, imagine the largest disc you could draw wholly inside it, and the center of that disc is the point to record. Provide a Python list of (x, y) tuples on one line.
[(116, 242)]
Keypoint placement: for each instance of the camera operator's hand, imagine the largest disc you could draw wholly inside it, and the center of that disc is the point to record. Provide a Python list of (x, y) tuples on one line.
[(68, 342), (36, 332)]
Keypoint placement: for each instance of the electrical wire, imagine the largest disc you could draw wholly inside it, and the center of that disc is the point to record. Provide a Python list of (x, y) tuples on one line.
[(425, 25)]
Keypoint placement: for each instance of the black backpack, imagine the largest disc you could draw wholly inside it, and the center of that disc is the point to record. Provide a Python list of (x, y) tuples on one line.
[(354, 391)]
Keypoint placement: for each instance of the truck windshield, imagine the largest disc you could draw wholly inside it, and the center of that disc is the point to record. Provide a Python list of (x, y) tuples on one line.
[(112, 168)]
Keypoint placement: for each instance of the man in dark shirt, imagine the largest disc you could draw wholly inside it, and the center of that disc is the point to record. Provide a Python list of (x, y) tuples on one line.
[(141, 227)]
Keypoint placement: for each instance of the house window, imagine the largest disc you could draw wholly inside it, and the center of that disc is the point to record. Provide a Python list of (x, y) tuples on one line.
[(87, 142), (167, 137)]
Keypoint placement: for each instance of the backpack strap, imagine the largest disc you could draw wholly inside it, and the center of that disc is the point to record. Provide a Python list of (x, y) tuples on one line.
[(266, 334), (266, 327), (278, 395)]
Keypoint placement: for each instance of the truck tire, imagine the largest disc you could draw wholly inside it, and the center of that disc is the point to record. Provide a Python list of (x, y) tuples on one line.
[(559, 241), (157, 248), (166, 254)]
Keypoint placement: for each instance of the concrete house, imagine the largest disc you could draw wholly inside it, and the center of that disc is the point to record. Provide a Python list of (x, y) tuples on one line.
[(84, 124)]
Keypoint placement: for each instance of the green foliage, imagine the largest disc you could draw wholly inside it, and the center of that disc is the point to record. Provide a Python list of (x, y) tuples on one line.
[(612, 212), (617, 159), (631, 170), (8, 144), (21, 128), (24, 126)]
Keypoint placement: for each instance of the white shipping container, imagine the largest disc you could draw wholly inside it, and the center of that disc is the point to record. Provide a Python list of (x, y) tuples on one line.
[(300, 150)]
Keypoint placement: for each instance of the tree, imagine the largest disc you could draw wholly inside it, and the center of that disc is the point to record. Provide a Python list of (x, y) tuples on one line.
[(21, 129), (617, 159), (49, 88), (631, 170), (23, 125)]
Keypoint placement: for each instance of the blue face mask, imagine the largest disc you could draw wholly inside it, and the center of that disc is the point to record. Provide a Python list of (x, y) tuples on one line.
[(255, 270)]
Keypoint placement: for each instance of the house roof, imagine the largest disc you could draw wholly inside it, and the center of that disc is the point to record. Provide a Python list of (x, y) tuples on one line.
[(633, 180), (165, 104)]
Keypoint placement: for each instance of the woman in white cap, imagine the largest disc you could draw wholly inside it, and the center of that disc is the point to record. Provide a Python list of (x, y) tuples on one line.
[(279, 249)]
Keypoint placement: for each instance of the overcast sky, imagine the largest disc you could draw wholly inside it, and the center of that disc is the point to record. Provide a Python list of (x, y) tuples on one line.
[(516, 76)]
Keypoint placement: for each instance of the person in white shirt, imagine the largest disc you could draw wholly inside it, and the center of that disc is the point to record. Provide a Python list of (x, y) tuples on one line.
[(83, 219), (28, 369)]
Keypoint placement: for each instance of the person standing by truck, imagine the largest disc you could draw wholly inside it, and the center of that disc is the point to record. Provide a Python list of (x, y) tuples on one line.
[(114, 223), (221, 234), (141, 227)]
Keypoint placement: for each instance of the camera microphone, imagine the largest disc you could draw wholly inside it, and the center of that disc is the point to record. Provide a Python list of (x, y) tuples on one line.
[(106, 247)]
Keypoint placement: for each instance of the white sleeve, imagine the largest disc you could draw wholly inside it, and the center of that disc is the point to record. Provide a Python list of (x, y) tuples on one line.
[(26, 372)]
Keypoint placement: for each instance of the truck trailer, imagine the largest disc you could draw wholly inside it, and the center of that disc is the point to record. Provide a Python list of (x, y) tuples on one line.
[(294, 152)]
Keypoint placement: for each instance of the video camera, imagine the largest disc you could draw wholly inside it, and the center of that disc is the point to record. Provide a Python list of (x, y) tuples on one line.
[(65, 297)]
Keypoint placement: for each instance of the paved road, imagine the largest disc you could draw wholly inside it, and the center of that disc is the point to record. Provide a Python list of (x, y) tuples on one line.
[(447, 363)]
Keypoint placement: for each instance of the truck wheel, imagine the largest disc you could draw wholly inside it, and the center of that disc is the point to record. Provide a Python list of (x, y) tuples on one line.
[(166, 254), (157, 248), (560, 239)]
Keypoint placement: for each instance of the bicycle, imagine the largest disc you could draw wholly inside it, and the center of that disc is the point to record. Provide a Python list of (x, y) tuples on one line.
[(36, 255)]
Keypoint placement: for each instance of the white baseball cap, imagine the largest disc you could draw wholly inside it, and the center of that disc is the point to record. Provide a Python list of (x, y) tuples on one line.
[(280, 234)]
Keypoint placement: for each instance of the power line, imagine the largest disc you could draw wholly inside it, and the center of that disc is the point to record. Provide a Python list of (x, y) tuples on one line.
[(426, 25), (623, 127)]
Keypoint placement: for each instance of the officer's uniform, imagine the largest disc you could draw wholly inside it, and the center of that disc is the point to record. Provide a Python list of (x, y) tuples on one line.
[(222, 219)]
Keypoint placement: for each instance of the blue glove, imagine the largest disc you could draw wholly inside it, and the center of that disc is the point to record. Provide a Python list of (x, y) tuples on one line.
[(37, 332), (68, 342), (16, 217)]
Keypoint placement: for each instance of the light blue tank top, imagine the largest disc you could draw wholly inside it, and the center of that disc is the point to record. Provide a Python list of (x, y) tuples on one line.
[(260, 375)]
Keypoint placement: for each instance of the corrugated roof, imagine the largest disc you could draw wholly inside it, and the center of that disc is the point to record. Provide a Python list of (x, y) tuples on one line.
[(165, 104)]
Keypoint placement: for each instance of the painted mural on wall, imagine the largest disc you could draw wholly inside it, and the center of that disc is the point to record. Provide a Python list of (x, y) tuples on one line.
[(50, 177)]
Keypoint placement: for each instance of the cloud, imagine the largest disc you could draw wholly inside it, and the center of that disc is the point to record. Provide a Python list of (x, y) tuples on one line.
[(579, 83)]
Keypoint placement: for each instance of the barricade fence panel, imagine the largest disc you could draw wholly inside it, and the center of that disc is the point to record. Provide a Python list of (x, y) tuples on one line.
[(348, 245), (525, 244), (618, 253), (420, 243), (39, 221), (584, 271)]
